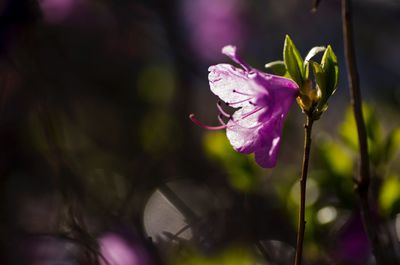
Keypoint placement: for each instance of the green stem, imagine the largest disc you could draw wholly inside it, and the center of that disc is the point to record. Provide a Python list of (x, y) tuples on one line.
[(303, 185)]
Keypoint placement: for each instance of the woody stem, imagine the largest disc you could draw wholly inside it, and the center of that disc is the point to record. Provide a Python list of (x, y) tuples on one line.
[(303, 184), (363, 179)]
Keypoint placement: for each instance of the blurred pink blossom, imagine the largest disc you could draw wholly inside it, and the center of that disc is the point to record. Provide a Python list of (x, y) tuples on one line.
[(119, 251), (55, 11), (213, 24)]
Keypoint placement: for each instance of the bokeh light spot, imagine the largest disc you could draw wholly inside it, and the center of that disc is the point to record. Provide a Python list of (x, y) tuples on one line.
[(312, 191), (326, 214)]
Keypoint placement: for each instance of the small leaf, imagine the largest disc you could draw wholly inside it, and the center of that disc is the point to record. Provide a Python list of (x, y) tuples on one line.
[(327, 76), (293, 61), (318, 74), (314, 51), (330, 66), (307, 70), (277, 68)]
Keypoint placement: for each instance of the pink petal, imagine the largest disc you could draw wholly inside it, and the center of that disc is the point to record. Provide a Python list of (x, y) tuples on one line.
[(243, 140), (266, 152), (231, 52), (267, 149), (242, 133), (248, 116), (274, 82), (233, 85)]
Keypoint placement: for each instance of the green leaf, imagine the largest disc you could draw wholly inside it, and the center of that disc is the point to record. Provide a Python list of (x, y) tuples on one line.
[(293, 61), (331, 68), (318, 74), (327, 76), (314, 51), (277, 68), (307, 70)]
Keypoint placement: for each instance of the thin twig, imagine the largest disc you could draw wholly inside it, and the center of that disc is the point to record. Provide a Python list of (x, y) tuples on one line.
[(315, 5), (303, 185), (363, 179)]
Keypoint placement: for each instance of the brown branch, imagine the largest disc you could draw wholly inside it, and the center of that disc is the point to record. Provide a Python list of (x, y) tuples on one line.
[(315, 5), (362, 181), (303, 185)]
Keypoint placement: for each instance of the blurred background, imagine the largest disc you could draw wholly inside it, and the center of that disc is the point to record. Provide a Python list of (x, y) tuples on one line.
[(100, 164)]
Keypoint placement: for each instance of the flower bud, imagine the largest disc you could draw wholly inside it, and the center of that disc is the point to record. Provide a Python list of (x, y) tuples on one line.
[(308, 97)]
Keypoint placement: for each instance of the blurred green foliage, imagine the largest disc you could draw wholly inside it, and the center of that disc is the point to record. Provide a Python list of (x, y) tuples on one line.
[(156, 84), (389, 197), (231, 256), (330, 190), (243, 173)]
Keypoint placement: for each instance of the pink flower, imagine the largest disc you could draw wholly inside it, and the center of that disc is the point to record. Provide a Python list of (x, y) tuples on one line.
[(263, 101)]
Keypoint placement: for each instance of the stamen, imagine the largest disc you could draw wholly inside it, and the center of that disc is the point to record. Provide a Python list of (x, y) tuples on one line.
[(250, 113), (219, 102), (236, 122), (237, 102), (199, 123), (242, 93), (221, 120)]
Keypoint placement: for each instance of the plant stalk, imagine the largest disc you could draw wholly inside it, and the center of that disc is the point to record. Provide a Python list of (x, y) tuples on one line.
[(362, 181), (303, 185)]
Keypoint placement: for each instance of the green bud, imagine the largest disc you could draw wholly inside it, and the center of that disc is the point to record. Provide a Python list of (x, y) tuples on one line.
[(313, 99), (308, 98)]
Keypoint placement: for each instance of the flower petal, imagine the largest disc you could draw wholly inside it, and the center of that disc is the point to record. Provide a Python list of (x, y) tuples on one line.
[(266, 153), (243, 140), (247, 117), (279, 103), (231, 52), (232, 85), (274, 82), (243, 132), (258, 128), (267, 149)]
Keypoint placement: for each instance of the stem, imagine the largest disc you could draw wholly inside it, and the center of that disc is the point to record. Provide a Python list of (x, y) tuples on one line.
[(315, 5), (363, 179), (303, 184)]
